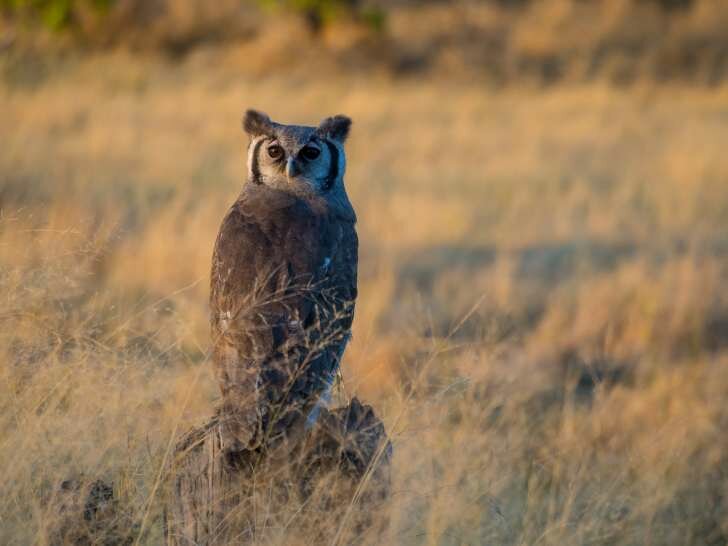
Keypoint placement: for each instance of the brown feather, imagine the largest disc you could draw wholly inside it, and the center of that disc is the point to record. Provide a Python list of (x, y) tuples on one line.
[(280, 319)]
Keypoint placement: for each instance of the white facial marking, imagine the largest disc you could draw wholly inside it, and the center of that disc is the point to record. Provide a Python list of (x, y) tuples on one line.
[(251, 149)]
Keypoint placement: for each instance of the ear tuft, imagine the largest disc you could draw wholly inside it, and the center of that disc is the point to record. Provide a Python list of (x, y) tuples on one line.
[(336, 127), (256, 123)]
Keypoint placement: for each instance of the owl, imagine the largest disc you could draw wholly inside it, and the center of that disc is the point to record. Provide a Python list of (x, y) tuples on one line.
[(283, 282)]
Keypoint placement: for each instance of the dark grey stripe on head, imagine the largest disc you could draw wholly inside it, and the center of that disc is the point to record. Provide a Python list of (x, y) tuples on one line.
[(334, 168), (254, 169)]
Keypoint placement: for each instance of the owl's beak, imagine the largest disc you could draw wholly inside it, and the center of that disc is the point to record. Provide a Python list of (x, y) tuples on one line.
[(292, 169)]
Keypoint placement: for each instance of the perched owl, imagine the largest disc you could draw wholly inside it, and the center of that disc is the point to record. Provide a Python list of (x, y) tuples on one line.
[(283, 281)]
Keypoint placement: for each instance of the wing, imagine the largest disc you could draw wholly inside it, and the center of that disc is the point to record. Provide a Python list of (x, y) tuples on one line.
[(274, 304), (341, 293)]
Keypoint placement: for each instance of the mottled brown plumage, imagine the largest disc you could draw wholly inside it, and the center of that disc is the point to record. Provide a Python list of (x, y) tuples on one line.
[(283, 281)]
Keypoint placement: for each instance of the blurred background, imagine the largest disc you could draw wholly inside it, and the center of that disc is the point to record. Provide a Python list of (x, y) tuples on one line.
[(542, 192)]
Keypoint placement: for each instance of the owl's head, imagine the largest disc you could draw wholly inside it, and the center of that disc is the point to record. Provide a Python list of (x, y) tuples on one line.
[(295, 158)]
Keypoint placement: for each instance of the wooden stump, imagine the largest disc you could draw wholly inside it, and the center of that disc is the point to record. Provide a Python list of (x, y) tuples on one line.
[(329, 485)]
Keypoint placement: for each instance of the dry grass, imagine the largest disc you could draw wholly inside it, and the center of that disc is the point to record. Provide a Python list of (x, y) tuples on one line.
[(542, 319)]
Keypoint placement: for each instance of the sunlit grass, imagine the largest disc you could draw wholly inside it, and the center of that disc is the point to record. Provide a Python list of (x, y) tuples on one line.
[(542, 321)]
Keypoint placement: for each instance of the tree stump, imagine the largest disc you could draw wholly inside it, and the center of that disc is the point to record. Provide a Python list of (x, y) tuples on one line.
[(329, 485)]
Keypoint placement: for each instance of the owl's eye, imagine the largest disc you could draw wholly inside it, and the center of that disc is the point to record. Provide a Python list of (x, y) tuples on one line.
[(310, 153), (275, 151)]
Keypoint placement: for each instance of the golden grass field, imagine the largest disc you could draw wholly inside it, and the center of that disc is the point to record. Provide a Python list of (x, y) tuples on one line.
[(542, 320)]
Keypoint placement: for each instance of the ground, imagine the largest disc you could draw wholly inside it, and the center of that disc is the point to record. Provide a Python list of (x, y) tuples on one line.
[(542, 321)]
